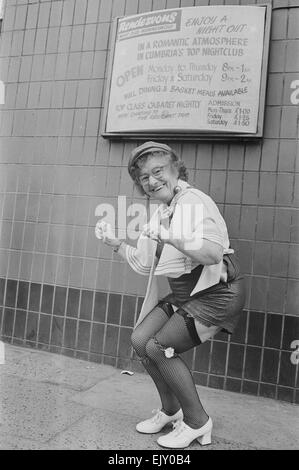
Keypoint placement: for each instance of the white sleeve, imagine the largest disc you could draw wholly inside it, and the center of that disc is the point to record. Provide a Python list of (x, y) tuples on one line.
[(204, 220), (140, 258)]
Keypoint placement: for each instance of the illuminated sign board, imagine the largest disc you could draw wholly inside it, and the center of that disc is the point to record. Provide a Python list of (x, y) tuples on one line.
[(195, 72)]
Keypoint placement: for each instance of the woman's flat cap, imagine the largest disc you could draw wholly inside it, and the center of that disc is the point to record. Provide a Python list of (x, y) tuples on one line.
[(148, 147)]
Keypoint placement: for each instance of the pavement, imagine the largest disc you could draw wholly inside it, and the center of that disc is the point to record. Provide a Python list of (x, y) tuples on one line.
[(50, 402)]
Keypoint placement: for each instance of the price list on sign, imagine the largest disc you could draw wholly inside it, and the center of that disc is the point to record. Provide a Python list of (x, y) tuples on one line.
[(187, 69)]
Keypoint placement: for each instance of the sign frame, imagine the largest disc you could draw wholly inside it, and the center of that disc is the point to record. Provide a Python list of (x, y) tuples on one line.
[(192, 135)]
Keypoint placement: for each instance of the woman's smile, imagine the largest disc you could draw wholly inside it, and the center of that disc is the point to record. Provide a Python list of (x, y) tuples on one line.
[(163, 192), (161, 186)]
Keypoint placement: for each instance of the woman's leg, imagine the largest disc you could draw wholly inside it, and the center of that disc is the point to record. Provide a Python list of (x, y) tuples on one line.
[(175, 334), (152, 323)]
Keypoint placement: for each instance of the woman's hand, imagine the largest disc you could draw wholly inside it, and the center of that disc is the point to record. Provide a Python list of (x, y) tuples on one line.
[(104, 232), (159, 234)]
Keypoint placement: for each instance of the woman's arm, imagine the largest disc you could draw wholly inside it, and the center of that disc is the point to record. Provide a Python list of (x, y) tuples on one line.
[(208, 253), (202, 250), (139, 258)]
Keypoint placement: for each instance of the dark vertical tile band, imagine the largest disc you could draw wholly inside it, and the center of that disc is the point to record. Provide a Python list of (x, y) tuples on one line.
[(202, 357), (2, 291), (239, 335), (270, 366), (8, 321), (44, 329), (111, 340), (218, 361), (47, 298), (252, 363), (290, 331), (86, 304), (57, 331), (11, 292), (31, 327), (256, 328), (23, 292), (128, 310), (20, 323), (83, 335), (114, 307), (273, 331), (235, 360), (70, 333), (98, 326), (287, 373), (72, 309), (34, 297), (100, 304), (59, 300), (97, 338)]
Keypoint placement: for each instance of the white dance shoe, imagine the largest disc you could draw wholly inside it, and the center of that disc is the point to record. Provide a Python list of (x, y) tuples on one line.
[(158, 421), (182, 435)]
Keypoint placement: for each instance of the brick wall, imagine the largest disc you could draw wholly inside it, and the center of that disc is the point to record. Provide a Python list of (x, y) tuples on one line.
[(63, 291)]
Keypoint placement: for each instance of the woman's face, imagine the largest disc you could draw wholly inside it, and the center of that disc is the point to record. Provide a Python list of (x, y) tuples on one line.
[(158, 177)]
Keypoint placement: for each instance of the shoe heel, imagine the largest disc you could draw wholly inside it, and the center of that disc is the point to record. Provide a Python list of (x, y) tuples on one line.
[(205, 439)]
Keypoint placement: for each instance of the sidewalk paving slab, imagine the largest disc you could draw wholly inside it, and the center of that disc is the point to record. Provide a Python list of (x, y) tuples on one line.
[(51, 401)]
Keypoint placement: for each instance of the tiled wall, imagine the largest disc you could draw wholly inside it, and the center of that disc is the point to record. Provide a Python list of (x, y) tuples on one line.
[(61, 289)]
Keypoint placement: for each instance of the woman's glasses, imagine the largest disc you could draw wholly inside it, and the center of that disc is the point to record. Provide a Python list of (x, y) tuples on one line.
[(157, 173)]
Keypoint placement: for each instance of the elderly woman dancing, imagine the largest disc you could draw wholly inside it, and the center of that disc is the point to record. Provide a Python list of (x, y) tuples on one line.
[(186, 241)]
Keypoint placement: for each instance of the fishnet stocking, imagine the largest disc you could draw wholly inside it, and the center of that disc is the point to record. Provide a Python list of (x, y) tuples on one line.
[(147, 329), (174, 371)]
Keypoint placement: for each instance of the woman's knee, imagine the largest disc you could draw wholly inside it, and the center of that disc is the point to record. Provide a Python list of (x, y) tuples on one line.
[(152, 348), (138, 341)]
